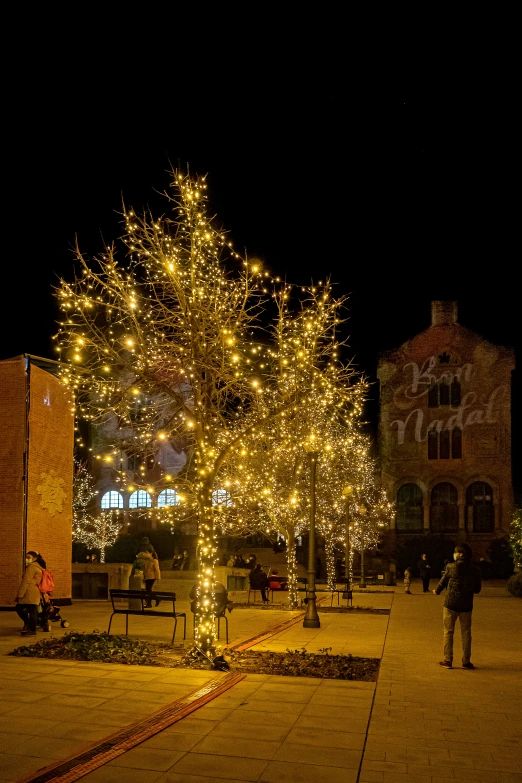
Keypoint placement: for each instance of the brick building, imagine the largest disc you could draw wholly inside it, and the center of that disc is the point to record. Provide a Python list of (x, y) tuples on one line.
[(445, 433), (36, 472)]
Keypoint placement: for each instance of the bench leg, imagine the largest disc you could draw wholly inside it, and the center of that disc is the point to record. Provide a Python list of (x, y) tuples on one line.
[(225, 618), (126, 625), (175, 626), (184, 626), (110, 621)]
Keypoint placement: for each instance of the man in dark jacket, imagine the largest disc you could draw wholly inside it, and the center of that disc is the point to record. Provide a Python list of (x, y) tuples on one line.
[(259, 581), (424, 573), (463, 581)]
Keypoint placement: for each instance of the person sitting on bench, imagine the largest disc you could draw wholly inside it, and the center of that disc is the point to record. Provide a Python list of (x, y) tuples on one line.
[(222, 601), (259, 581), (274, 581)]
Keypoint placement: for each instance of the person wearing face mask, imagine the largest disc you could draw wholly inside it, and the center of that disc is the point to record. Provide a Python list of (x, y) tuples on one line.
[(28, 596), (463, 581)]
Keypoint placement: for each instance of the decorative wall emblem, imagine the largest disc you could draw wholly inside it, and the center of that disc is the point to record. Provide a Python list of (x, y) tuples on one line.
[(52, 492)]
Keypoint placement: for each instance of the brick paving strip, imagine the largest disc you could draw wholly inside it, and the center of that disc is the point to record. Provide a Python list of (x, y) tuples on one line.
[(116, 744)]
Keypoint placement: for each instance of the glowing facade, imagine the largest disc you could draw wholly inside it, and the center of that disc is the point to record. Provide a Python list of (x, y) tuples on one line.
[(445, 432)]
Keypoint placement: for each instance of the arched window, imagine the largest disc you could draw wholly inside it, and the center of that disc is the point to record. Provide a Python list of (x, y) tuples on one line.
[(221, 497), (140, 499), (456, 443), (479, 500), (444, 393), (112, 499), (444, 444), (409, 509), (444, 511), (168, 497), (455, 393)]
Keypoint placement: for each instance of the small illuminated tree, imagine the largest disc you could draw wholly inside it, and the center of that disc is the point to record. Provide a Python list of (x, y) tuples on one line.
[(84, 492), (103, 530), (370, 510)]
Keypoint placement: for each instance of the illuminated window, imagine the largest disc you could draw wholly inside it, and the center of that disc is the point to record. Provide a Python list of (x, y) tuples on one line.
[(444, 511), (479, 502), (409, 509), (221, 497), (112, 499), (168, 497), (140, 499)]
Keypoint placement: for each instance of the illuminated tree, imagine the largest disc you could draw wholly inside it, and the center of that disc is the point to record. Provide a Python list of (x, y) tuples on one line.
[(269, 480), (84, 492), (160, 346), (103, 530), (369, 510)]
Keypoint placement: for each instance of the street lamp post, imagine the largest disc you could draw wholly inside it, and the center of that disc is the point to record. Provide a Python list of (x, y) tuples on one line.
[(311, 618)]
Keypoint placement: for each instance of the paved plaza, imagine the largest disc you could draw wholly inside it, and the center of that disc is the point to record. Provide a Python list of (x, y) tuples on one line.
[(418, 723)]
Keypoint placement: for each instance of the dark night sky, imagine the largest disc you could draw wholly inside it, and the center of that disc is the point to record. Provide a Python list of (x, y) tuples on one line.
[(393, 170)]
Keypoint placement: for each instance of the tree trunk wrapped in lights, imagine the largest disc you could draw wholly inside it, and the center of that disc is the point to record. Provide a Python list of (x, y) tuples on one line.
[(329, 548)]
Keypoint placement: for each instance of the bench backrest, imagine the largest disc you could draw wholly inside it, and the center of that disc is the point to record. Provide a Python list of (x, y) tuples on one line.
[(122, 598)]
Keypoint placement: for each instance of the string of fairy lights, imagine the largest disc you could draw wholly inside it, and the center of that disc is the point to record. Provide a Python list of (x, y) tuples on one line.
[(168, 343)]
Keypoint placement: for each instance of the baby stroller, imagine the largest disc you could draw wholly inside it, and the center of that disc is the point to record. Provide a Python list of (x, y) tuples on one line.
[(49, 613)]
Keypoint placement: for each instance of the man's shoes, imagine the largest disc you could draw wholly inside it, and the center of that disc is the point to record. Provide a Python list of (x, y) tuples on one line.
[(28, 633), (468, 665), (158, 601), (148, 606), (445, 664)]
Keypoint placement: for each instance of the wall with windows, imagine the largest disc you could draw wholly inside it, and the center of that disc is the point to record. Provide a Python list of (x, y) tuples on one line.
[(445, 431)]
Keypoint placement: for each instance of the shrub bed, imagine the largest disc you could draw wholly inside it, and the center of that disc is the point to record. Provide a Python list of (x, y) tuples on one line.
[(105, 648)]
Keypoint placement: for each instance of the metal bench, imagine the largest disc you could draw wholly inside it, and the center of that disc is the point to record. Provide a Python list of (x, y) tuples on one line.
[(133, 602)]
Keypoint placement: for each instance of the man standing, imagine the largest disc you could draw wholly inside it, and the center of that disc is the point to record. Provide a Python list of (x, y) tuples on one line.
[(424, 573), (463, 581)]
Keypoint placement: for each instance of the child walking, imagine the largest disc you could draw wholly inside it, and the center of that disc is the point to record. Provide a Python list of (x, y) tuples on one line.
[(407, 580)]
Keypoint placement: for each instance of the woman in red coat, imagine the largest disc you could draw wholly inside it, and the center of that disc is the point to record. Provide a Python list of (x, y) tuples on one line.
[(28, 596)]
